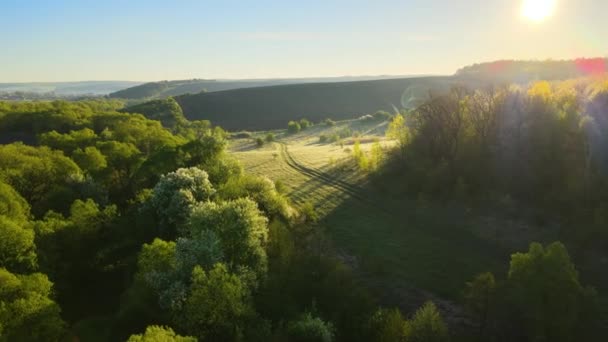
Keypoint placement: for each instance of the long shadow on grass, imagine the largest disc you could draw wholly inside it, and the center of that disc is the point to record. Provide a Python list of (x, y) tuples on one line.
[(411, 254)]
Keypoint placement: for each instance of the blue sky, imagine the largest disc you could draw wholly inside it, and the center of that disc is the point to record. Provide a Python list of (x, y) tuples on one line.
[(180, 39)]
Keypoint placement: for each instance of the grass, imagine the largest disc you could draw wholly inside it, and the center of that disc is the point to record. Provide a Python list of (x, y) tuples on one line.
[(397, 245)]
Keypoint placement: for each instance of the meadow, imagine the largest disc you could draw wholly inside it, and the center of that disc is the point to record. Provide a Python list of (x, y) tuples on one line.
[(405, 251)]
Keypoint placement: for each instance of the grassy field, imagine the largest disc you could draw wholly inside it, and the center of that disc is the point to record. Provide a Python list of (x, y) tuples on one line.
[(405, 251)]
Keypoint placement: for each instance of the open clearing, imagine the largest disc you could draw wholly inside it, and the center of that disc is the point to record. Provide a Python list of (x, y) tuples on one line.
[(397, 246)]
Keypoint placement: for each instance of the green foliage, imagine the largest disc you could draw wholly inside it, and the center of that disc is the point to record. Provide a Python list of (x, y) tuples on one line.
[(387, 325), (310, 329), (90, 159), (159, 256), (399, 131), (70, 141), (308, 212), (217, 307), (12, 205), (305, 124), (360, 158), (323, 138), (270, 137), (260, 189), (26, 311), (69, 247), (175, 194), (426, 325), (465, 146), (39, 174), (259, 142), (546, 294), (241, 228), (167, 111), (541, 300), (376, 156), (293, 127), (160, 334), (329, 122), (17, 249), (480, 297)]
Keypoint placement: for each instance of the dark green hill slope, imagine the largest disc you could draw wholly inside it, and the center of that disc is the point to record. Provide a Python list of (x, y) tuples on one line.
[(272, 107), (163, 89)]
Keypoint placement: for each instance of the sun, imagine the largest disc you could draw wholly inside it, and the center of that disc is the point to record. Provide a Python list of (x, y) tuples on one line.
[(537, 10)]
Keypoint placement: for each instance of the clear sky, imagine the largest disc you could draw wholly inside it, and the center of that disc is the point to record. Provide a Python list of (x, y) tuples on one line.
[(62, 40)]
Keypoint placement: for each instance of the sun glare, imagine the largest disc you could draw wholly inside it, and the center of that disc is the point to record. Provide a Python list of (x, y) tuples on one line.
[(537, 10)]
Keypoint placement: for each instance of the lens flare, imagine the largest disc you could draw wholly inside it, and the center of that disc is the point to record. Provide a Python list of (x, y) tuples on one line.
[(537, 10)]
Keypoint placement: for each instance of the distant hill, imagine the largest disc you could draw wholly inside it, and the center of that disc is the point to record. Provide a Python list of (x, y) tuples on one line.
[(163, 89), (526, 71), (272, 107), (68, 88)]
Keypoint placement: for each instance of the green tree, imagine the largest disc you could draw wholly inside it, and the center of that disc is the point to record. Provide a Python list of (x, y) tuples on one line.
[(12, 205), (376, 156), (387, 325), (360, 157), (293, 127), (480, 300), (398, 130), (17, 249), (427, 325), (259, 142), (26, 311), (90, 159), (310, 329), (217, 307), (260, 189), (546, 294), (269, 137), (175, 195), (39, 174), (241, 228), (304, 124), (156, 333)]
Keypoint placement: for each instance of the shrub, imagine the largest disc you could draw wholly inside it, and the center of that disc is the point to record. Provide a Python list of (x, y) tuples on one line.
[(427, 325), (323, 138), (309, 213), (270, 137), (293, 127), (304, 124), (329, 122), (259, 142), (310, 329), (386, 325), (157, 333), (345, 133)]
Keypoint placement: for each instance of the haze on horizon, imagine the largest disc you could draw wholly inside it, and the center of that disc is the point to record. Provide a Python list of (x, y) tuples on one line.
[(51, 41)]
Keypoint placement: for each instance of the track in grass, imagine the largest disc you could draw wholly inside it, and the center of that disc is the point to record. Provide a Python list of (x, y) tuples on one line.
[(354, 191)]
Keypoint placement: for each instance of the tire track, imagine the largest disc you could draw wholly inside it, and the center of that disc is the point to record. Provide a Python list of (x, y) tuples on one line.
[(350, 189)]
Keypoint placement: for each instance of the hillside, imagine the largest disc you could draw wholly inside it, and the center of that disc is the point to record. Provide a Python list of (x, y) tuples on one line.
[(68, 88), (272, 107), (526, 71), (163, 89)]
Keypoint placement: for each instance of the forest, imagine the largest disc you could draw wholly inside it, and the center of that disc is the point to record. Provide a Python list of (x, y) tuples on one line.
[(136, 224)]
